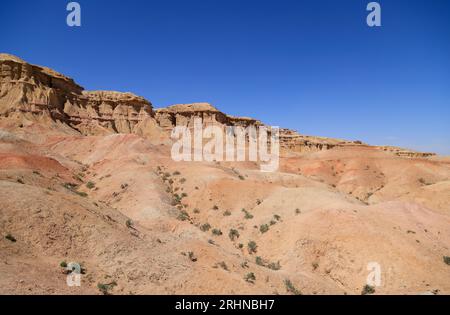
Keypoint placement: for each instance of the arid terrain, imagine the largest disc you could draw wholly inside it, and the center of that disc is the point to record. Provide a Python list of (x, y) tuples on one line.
[(88, 177)]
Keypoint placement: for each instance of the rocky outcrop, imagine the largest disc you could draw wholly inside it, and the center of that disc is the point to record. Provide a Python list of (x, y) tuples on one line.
[(39, 92)]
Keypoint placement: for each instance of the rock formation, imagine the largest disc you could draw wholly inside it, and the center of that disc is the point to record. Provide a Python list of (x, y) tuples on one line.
[(41, 93)]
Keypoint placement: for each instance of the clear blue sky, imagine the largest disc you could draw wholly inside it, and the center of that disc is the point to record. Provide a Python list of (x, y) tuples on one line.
[(314, 66)]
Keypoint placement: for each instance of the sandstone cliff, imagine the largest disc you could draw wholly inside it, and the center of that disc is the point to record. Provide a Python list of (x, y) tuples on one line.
[(36, 92)]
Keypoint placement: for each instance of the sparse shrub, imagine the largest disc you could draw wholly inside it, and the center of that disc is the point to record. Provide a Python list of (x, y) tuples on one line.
[(315, 265), (223, 265), (244, 264), (259, 261), (63, 264), (240, 245), (176, 173), (124, 186), (196, 210), (274, 266), (184, 195), (20, 181), (183, 216), (252, 247), (233, 234), (367, 289), (297, 211), (183, 180), (205, 227), (215, 207), (277, 217), (241, 177), (129, 223), (81, 193), (36, 173), (211, 242), (196, 188), (423, 181), (11, 238), (258, 201), (90, 185), (217, 232), (192, 256), (447, 260), (248, 215), (250, 277), (291, 288), (264, 228), (105, 288), (272, 222), (167, 174), (227, 213)]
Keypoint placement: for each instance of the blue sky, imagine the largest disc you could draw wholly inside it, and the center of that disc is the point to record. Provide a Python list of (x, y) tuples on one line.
[(313, 65)]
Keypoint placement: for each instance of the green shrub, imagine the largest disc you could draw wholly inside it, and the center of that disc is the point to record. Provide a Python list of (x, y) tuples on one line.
[(264, 228), (446, 260), (252, 247), (105, 288), (205, 227), (90, 185), (248, 215), (274, 266), (259, 261), (250, 277), (63, 264), (233, 234), (291, 288), (129, 223), (183, 216), (217, 232), (367, 289)]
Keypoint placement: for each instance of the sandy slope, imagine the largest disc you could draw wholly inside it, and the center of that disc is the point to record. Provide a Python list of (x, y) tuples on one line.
[(329, 214)]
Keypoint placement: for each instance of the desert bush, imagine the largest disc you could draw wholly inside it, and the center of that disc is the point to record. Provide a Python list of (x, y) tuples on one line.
[(183, 216), (259, 261), (196, 210), (248, 215), (205, 227), (447, 260), (192, 256), (227, 213), (215, 207), (183, 180), (20, 181), (291, 288), (223, 265), (176, 173), (81, 193), (129, 223), (297, 211), (90, 185), (217, 232), (106, 287), (274, 266), (315, 265), (241, 177), (63, 264), (233, 234), (277, 217), (252, 247), (367, 289), (264, 228), (250, 277)]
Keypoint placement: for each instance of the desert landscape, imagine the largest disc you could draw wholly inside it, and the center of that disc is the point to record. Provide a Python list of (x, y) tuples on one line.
[(87, 177)]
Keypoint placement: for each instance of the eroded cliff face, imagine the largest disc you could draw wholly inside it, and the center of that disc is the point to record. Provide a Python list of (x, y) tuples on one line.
[(35, 92)]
